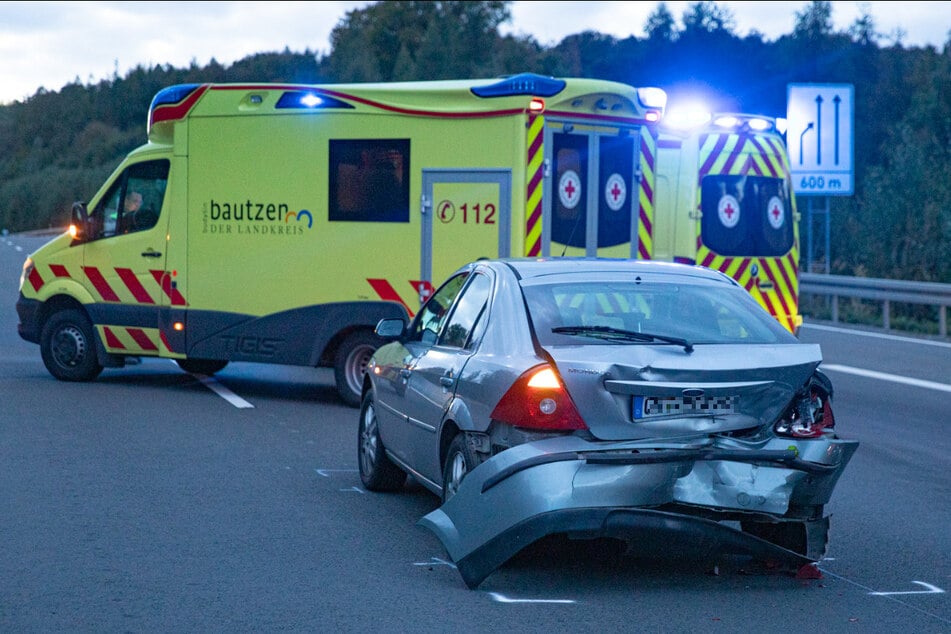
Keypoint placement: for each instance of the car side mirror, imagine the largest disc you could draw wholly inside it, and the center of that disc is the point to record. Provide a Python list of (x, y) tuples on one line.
[(391, 328)]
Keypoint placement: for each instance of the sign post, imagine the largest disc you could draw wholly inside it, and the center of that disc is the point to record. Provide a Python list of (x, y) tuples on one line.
[(819, 137)]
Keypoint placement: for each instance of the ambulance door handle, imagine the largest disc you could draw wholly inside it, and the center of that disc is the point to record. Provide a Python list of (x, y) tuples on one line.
[(151, 253)]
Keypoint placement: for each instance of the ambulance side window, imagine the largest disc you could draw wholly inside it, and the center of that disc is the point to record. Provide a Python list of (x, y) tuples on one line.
[(134, 201), (369, 180)]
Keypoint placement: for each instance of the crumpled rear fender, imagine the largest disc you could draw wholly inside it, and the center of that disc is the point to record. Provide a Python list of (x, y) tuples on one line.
[(650, 530), (569, 485)]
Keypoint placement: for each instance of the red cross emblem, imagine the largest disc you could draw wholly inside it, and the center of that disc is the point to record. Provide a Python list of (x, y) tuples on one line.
[(569, 189)]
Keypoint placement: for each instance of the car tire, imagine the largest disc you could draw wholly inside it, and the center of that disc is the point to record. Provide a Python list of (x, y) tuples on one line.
[(459, 462), (68, 346), (377, 472), (350, 364), (201, 366)]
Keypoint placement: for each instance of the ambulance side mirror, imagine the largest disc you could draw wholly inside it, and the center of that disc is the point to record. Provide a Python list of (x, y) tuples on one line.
[(79, 222), (390, 328)]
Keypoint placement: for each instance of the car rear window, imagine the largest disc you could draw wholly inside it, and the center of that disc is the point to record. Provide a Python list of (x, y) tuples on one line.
[(696, 312)]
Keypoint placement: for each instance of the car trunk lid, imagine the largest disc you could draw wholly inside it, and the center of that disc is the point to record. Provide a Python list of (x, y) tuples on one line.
[(644, 391)]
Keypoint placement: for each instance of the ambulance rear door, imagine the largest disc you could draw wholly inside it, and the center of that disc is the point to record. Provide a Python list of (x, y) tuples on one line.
[(591, 197)]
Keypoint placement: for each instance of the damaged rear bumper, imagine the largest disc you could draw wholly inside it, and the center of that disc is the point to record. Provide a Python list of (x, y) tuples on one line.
[(644, 494)]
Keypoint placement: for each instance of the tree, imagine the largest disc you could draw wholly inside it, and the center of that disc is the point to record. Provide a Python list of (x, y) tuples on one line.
[(814, 22), (660, 25), (392, 41), (708, 17)]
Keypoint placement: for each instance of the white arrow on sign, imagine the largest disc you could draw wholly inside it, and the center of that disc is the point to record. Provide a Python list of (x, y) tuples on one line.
[(931, 590)]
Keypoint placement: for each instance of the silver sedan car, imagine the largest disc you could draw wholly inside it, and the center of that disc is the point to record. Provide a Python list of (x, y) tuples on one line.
[(650, 402)]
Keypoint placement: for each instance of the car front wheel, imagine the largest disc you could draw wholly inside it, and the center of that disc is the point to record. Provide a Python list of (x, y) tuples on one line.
[(377, 472)]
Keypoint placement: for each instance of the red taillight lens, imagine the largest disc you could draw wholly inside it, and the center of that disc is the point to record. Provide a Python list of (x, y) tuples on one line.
[(538, 400)]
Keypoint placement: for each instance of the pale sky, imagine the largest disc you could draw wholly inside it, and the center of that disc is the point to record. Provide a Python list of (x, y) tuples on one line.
[(51, 44)]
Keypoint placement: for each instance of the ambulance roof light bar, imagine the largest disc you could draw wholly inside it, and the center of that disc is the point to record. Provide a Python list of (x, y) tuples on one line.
[(522, 84)]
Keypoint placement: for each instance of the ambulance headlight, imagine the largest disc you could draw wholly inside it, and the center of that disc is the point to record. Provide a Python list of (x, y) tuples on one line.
[(27, 270)]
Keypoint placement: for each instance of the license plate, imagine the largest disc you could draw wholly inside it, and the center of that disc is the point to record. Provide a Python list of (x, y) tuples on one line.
[(658, 406)]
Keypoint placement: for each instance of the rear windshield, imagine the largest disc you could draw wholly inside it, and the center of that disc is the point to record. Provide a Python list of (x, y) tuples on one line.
[(696, 312)]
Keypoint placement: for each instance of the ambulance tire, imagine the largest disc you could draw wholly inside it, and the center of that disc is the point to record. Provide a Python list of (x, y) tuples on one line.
[(68, 346), (350, 364), (201, 366)]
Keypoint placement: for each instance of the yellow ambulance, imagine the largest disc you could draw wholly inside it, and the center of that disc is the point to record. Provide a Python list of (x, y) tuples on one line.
[(724, 200), (277, 223)]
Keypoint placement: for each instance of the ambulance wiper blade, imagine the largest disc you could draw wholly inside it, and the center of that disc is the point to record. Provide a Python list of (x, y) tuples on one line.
[(607, 332)]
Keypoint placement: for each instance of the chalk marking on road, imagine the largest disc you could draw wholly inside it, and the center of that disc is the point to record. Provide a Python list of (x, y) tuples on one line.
[(931, 590), (223, 392), (894, 378), (435, 561), (879, 335), (326, 472), (501, 598), (886, 596)]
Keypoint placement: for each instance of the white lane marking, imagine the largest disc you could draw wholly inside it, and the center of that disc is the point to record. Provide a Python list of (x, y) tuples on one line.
[(931, 590), (879, 335), (223, 392), (435, 561), (501, 598), (326, 472), (352, 489), (894, 378)]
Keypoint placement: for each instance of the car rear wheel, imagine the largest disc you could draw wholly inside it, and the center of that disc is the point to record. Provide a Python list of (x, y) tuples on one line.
[(459, 462), (68, 347), (201, 366), (377, 472), (350, 364)]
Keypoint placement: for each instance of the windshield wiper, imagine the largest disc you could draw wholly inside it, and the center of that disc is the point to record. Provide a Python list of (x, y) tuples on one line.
[(607, 332)]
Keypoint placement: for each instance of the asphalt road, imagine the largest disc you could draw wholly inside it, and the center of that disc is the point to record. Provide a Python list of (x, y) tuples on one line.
[(150, 501)]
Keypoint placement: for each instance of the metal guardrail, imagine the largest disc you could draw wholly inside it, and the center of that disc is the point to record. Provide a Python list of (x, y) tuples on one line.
[(885, 291)]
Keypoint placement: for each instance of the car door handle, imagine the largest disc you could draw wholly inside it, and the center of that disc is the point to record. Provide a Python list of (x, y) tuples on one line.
[(446, 381), (151, 254), (405, 373)]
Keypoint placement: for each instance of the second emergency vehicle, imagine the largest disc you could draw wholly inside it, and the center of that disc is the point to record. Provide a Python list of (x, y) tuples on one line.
[(279, 223), (724, 200)]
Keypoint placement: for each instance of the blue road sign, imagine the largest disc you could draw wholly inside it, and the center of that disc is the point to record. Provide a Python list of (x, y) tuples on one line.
[(820, 119)]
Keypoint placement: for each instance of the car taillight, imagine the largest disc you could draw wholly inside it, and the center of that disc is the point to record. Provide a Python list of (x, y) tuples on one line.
[(810, 417), (538, 400)]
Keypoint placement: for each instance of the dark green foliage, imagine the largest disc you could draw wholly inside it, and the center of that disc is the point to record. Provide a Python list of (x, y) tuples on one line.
[(60, 146)]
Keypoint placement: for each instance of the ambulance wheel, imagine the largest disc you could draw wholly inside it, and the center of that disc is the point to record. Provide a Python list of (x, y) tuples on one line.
[(201, 366), (68, 346), (350, 364)]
